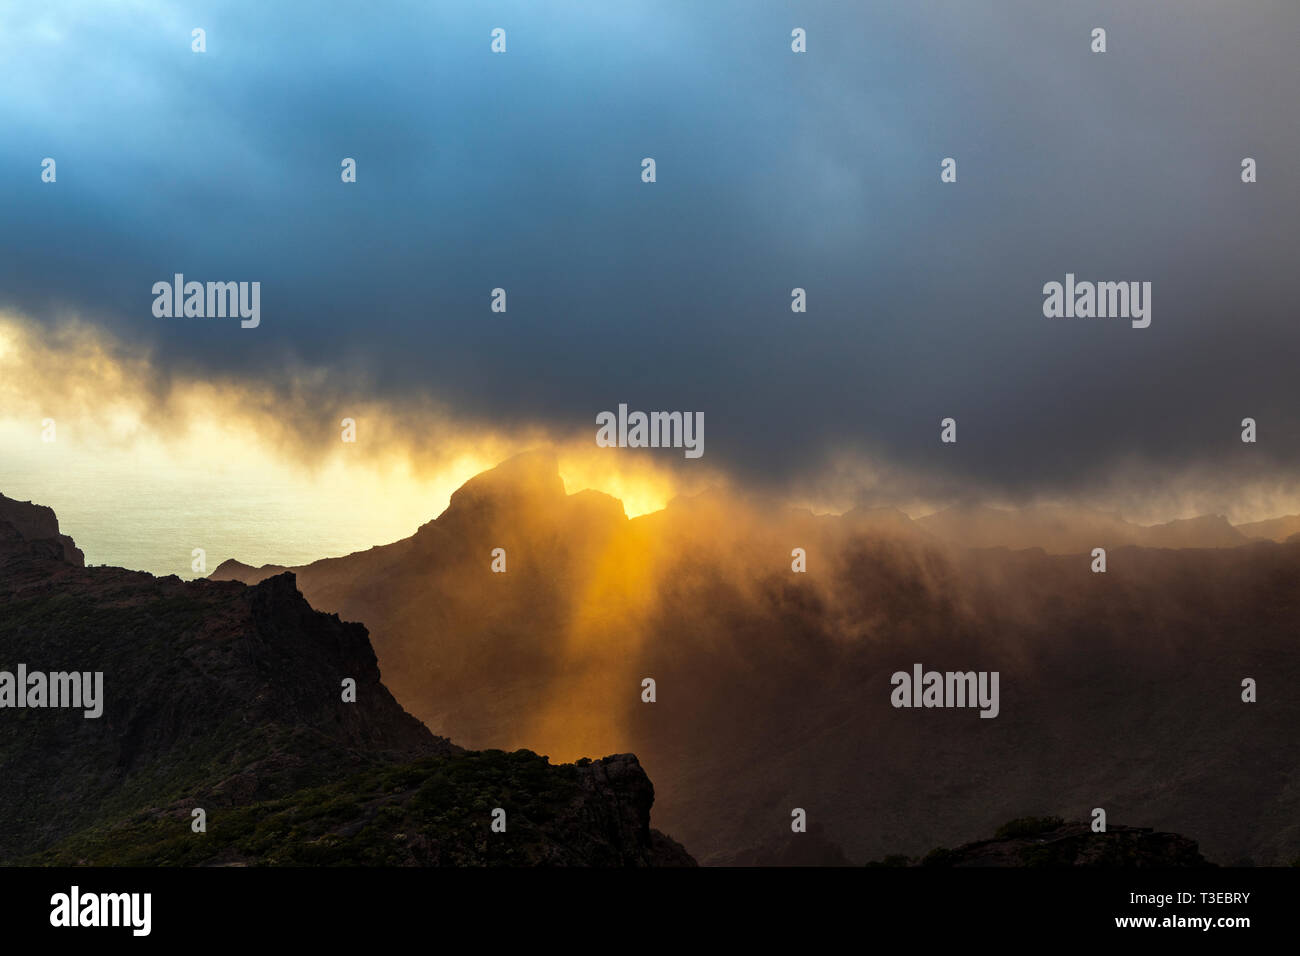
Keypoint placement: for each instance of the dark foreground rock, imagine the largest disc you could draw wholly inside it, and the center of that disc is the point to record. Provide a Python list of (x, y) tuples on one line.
[(1055, 843), (228, 698)]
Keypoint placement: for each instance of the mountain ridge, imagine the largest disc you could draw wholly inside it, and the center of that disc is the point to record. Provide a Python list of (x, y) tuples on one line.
[(790, 672)]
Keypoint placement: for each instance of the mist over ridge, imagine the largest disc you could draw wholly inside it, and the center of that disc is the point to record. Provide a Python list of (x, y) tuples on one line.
[(523, 613)]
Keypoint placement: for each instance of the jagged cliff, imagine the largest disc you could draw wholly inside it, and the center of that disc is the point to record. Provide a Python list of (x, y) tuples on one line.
[(37, 523), (230, 698)]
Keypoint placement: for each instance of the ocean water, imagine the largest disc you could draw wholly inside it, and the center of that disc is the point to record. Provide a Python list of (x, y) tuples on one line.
[(151, 519)]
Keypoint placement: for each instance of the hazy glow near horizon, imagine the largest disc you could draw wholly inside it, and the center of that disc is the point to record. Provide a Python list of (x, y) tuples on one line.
[(141, 486), (148, 506), (146, 467)]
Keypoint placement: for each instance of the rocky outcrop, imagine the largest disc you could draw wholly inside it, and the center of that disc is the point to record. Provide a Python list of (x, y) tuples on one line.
[(1060, 844), (37, 523), (617, 796)]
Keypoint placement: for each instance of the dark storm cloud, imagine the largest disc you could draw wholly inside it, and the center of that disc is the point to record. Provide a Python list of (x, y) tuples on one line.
[(774, 171)]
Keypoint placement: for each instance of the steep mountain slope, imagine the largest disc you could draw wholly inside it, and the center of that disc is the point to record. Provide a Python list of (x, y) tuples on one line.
[(230, 699), (1120, 690)]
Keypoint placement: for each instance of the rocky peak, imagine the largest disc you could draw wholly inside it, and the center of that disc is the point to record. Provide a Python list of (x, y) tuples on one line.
[(529, 477)]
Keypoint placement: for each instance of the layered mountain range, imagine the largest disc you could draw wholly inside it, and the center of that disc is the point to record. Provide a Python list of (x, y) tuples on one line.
[(231, 700), (772, 687)]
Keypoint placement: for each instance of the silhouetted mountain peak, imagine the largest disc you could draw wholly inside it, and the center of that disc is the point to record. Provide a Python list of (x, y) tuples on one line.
[(232, 570), (1203, 531), (598, 501), (527, 478), (881, 519)]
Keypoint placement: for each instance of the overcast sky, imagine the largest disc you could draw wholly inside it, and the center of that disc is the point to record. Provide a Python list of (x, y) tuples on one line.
[(775, 170)]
